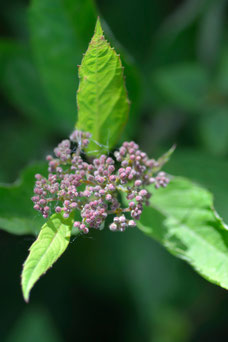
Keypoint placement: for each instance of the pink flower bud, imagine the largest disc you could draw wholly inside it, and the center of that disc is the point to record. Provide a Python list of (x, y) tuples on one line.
[(123, 175), (66, 203), (109, 161), (111, 187), (35, 198), (132, 223), (122, 219), (124, 163), (138, 182), (122, 151), (143, 192), (111, 169), (108, 197), (112, 178), (138, 198), (121, 170), (113, 227), (86, 193)]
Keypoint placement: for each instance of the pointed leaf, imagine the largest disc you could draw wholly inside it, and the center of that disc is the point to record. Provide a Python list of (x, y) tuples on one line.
[(102, 99), (52, 241), (181, 217)]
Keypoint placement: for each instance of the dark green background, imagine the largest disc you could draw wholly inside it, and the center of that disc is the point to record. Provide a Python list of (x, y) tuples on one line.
[(117, 287)]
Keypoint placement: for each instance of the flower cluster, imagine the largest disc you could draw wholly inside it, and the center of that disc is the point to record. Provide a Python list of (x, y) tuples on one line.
[(93, 187)]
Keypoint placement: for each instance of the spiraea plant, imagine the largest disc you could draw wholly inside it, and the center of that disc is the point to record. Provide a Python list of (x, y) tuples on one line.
[(92, 184)]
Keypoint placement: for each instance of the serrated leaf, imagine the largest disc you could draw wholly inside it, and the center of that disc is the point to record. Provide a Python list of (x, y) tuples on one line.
[(181, 217), (52, 241), (102, 100), (17, 215), (59, 34)]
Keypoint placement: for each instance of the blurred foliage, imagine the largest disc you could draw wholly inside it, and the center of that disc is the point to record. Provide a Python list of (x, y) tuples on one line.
[(34, 325), (176, 63), (16, 210)]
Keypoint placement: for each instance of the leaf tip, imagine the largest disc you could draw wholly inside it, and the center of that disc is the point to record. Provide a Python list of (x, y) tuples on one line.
[(25, 291), (26, 297), (98, 28), (24, 287)]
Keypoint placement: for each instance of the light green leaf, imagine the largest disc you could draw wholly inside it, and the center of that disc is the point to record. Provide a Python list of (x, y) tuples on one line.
[(181, 217), (52, 241), (134, 82), (103, 104), (60, 31), (17, 215)]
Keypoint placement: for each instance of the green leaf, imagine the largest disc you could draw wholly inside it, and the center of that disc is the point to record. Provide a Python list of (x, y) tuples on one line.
[(20, 83), (52, 241), (60, 31), (17, 215), (181, 217), (103, 104)]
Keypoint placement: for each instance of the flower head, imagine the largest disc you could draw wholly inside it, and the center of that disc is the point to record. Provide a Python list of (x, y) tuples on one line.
[(93, 187)]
